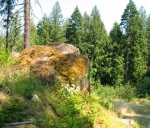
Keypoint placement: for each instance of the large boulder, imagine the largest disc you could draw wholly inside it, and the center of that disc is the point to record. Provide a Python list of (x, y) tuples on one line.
[(60, 63)]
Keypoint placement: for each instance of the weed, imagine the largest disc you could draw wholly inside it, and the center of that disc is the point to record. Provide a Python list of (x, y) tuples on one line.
[(4, 57), (126, 92)]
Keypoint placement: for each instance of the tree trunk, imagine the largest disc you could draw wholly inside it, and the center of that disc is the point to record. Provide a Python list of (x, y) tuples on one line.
[(127, 67), (27, 24), (7, 29), (7, 25)]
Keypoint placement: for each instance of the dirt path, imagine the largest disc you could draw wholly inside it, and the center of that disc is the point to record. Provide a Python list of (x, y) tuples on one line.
[(134, 112)]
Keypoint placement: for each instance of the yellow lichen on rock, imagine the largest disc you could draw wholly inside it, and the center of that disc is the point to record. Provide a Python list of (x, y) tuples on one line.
[(55, 61)]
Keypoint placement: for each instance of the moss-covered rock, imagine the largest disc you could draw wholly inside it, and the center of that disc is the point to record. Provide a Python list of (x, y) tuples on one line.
[(60, 63)]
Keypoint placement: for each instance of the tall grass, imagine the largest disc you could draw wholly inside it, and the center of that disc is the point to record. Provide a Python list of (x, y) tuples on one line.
[(126, 92)]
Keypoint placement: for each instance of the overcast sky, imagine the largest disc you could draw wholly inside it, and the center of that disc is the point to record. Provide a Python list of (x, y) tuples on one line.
[(110, 10)]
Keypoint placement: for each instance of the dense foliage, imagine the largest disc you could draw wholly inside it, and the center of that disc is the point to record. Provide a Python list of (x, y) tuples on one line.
[(119, 67), (118, 58)]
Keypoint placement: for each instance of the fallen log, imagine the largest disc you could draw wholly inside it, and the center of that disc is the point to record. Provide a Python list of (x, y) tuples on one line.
[(19, 123)]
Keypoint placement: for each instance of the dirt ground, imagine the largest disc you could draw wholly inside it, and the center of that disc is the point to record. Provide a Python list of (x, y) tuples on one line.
[(134, 112)]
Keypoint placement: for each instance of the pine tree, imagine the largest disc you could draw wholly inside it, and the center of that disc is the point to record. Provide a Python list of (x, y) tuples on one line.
[(85, 27), (56, 21), (44, 31), (85, 46), (15, 36), (74, 29), (6, 8), (64, 27), (148, 37), (98, 40), (115, 54), (143, 17), (33, 33), (134, 44), (148, 29)]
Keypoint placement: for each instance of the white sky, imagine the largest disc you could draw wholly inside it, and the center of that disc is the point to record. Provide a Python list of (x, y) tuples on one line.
[(110, 10)]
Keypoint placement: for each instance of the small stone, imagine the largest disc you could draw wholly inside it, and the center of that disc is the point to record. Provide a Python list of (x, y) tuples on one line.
[(35, 98)]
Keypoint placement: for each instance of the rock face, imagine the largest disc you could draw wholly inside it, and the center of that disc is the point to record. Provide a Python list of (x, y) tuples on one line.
[(61, 64)]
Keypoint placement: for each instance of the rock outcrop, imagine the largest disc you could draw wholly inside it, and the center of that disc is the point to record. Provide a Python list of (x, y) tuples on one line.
[(60, 63)]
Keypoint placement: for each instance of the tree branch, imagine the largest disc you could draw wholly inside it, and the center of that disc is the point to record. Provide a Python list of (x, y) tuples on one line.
[(36, 1), (19, 123), (17, 4), (34, 15)]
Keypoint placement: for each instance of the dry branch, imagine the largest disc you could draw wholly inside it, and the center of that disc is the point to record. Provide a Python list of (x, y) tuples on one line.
[(18, 123)]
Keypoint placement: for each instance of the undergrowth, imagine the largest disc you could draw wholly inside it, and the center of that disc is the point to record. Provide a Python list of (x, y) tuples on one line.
[(56, 107), (12, 112), (126, 92)]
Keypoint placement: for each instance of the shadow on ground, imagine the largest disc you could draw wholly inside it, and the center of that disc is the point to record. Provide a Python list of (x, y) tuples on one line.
[(138, 111)]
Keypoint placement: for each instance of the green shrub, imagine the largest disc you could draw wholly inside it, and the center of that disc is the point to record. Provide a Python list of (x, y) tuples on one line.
[(13, 112), (73, 111), (106, 91), (143, 87), (4, 57), (126, 92)]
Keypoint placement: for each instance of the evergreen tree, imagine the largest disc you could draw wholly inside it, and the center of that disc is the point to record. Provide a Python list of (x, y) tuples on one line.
[(74, 29), (148, 37), (134, 44), (115, 34), (33, 33), (148, 29), (64, 27), (85, 46), (85, 27), (143, 17), (15, 36), (44, 31), (6, 8), (56, 21), (116, 76), (98, 40)]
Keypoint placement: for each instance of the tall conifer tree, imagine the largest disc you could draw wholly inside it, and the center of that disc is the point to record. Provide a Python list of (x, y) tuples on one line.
[(44, 31), (74, 28), (148, 37), (33, 33), (86, 45), (15, 36), (6, 8), (98, 39), (57, 21), (134, 44), (115, 54)]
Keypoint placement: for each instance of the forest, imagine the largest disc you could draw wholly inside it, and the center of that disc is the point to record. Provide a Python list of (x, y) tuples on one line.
[(119, 60)]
